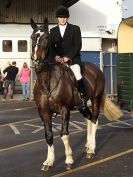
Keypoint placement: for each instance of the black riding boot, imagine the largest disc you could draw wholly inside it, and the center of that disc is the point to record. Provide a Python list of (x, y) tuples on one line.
[(82, 90)]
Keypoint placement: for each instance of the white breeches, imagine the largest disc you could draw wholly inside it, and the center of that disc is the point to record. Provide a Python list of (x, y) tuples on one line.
[(77, 71)]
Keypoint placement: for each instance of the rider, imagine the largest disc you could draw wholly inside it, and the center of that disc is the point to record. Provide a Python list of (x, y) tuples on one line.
[(65, 44)]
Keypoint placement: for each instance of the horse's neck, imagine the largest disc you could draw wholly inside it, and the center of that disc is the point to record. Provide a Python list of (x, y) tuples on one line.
[(49, 76), (42, 79), (40, 75)]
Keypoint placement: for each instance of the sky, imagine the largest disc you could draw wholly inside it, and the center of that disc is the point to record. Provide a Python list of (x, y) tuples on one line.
[(127, 8)]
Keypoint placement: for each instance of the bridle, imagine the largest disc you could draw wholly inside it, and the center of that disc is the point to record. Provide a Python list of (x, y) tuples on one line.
[(40, 43)]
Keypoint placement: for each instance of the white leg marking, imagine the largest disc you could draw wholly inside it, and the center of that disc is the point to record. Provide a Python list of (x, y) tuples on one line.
[(91, 136), (88, 133), (68, 150), (50, 156)]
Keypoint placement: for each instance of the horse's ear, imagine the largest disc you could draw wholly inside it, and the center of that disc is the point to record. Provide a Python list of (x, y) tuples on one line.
[(45, 23), (33, 24)]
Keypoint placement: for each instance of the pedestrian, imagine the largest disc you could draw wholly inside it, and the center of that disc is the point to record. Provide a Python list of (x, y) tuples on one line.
[(24, 77), (65, 46), (1, 82), (11, 72), (4, 76)]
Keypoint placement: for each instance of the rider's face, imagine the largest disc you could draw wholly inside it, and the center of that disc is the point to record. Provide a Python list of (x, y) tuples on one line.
[(62, 20)]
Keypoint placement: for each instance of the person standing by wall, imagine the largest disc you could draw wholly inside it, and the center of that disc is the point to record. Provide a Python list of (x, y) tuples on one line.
[(11, 71), (1, 82), (24, 77), (4, 76)]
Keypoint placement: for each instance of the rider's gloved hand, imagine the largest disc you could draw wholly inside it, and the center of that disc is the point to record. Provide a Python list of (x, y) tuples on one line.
[(58, 59), (65, 59)]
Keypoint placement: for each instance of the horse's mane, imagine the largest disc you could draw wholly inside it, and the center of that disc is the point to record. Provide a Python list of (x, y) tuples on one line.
[(48, 67)]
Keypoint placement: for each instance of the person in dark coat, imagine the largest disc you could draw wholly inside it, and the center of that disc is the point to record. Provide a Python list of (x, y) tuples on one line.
[(1, 83), (11, 71), (65, 46)]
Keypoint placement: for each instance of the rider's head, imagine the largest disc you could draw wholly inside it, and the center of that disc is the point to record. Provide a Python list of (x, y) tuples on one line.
[(62, 14), (62, 11)]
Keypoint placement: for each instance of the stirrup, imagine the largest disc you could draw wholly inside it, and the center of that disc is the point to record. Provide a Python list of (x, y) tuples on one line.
[(83, 103)]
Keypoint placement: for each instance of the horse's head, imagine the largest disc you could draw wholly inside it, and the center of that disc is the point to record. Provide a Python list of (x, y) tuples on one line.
[(39, 39)]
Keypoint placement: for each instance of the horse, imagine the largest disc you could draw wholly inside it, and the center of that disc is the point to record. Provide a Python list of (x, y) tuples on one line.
[(55, 91)]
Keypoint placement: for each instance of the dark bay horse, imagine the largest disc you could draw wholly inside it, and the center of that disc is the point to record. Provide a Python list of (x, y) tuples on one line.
[(55, 92)]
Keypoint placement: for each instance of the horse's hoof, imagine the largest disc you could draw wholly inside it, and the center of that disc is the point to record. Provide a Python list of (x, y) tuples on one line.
[(86, 149), (90, 155), (69, 167), (45, 167)]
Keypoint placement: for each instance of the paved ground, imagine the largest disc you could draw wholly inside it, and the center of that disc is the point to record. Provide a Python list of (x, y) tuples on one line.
[(23, 148), (17, 97)]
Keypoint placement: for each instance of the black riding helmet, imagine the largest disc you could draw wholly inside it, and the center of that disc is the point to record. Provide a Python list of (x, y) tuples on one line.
[(62, 11)]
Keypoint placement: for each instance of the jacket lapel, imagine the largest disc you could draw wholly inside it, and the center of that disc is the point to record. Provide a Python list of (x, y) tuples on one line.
[(58, 35)]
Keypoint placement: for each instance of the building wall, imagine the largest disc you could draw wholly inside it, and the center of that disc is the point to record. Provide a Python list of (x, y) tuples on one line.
[(95, 16), (15, 33), (20, 11), (109, 62)]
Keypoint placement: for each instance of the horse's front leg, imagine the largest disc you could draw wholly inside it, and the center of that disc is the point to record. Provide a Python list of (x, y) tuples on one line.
[(49, 140), (65, 137)]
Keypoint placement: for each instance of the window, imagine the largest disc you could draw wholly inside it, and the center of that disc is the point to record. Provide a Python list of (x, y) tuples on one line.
[(22, 45), (7, 46)]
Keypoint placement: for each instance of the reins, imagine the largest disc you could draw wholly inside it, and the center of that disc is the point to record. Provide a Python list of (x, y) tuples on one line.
[(46, 91)]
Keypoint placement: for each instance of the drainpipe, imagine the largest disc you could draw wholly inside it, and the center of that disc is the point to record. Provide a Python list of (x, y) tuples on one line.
[(101, 56), (111, 72)]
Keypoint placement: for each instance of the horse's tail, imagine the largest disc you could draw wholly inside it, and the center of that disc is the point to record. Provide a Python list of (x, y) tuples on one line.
[(110, 110)]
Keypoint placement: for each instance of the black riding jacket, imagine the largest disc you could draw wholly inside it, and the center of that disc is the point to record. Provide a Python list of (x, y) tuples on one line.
[(69, 45)]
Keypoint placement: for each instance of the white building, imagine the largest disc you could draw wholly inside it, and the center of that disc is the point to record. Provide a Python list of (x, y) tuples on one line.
[(98, 20)]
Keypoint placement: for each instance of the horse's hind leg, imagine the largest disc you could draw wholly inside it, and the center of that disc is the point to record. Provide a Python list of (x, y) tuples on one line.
[(91, 139), (91, 129), (65, 137)]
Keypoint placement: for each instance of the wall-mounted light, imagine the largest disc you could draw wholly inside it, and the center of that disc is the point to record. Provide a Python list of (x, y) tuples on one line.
[(108, 32)]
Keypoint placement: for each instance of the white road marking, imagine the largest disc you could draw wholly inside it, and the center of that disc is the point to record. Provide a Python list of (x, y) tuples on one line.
[(14, 128), (17, 109), (39, 128), (92, 164), (28, 120), (76, 126), (124, 122), (119, 124), (80, 123), (32, 142)]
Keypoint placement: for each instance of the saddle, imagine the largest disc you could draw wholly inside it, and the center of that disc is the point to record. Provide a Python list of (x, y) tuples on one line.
[(70, 74)]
